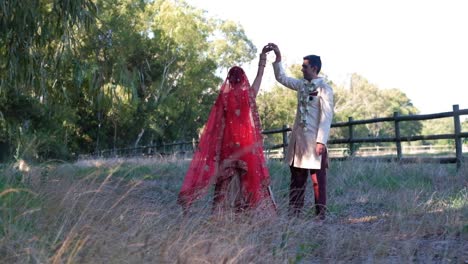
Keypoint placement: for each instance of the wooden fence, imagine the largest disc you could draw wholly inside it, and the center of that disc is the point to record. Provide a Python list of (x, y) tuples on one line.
[(350, 141), (457, 135)]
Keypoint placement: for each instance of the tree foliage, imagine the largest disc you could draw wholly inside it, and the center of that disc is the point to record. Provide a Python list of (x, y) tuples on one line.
[(364, 100), (92, 75)]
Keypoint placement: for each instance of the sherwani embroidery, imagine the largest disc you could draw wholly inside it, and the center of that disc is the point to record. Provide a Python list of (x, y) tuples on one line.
[(304, 137)]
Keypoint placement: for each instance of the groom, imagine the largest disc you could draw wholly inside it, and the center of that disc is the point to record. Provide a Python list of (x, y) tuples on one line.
[(307, 150)]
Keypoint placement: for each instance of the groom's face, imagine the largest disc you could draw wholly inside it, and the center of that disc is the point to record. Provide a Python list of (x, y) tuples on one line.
[(308, 71)]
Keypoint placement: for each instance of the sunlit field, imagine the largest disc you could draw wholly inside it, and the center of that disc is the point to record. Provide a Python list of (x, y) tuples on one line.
[(125, 211)]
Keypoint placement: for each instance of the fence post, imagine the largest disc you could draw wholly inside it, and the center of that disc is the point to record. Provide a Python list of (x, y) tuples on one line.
[(458, 141), (194, 145), (285, 139), (351, 135), (397, 135)]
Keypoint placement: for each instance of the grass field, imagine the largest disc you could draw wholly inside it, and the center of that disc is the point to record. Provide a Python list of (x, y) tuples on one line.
[(115, 211)]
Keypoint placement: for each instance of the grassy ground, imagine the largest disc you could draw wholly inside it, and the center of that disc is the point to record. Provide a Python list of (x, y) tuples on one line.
[(125, 212)]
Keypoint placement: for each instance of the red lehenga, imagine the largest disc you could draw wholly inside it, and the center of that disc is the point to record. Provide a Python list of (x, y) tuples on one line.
[(230, 153)]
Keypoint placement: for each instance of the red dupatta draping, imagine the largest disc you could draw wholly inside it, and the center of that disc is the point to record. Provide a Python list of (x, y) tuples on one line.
[(231, 137)]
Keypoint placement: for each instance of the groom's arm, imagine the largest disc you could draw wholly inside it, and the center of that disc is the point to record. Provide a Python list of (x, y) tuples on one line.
[(280, 74), (282, 78)]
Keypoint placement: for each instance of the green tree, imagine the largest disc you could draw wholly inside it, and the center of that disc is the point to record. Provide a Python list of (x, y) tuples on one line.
[(364, 100), (437, 127), (231, 45), (36, 39), (276, 108), (135, 72)]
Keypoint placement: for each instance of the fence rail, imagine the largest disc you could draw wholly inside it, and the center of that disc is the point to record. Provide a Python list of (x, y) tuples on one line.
[(457, 135)]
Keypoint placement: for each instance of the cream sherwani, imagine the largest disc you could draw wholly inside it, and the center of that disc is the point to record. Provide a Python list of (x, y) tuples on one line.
[(311, 125)]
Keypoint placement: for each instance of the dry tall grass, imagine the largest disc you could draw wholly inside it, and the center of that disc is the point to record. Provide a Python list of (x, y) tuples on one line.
[(125, 212)]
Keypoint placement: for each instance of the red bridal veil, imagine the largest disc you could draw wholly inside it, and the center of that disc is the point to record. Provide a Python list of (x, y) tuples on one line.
[(231, 141)]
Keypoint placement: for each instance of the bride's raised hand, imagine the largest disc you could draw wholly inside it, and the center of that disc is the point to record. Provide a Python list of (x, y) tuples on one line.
[(267, 48)]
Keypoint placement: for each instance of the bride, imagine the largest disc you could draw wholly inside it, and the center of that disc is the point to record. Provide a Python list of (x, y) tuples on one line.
[(230, 151)]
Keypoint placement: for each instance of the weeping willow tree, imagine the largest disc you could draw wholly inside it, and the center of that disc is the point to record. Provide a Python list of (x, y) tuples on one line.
[(80, 76), (36, 37)]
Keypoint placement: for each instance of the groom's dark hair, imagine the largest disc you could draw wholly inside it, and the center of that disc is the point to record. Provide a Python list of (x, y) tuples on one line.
[(314, 60)]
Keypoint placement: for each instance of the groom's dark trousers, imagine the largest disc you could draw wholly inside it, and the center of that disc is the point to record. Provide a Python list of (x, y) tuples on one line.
[(298, 186)]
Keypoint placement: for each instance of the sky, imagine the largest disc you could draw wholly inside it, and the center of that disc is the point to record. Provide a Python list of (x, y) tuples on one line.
[(417, 46)]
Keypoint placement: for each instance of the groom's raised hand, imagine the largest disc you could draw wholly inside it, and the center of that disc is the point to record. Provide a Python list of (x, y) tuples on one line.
[(274, 47)]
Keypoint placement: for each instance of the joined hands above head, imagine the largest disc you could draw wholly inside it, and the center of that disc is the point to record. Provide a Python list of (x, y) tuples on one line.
[(262, 63), (272, 47)]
